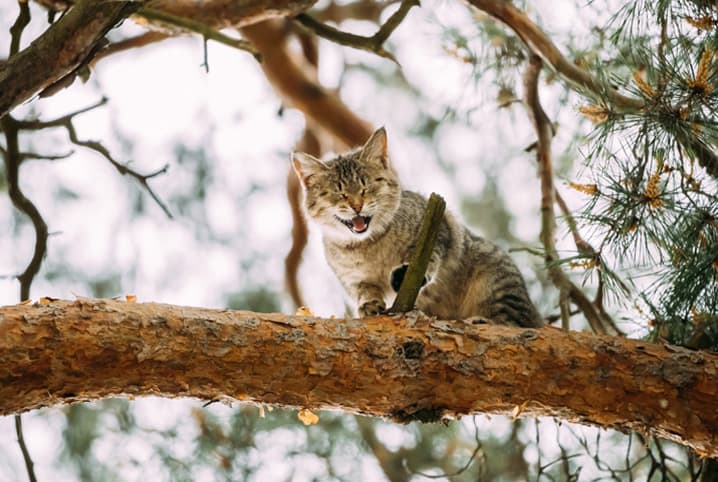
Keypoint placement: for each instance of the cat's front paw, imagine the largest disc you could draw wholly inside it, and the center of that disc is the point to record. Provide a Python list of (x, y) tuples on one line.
[(372, 308), (397, 277)]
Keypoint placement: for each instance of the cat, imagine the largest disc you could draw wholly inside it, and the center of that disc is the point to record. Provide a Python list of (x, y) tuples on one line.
[(370, 227)]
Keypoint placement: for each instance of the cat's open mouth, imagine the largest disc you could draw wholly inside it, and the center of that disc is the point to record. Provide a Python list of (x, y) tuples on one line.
[(357, 224)]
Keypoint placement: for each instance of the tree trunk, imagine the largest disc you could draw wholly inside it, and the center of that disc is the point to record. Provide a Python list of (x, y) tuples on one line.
[(403, 367)]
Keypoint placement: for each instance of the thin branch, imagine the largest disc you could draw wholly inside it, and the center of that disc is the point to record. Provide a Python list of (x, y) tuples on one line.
[(582, 245), (130, 43), (29, 465), (23, 204), (17, 28), (461, 470), (600, 322), (66, 122), (358, 10), (374, 44), (414, 276), (206, 31), (45, 157)]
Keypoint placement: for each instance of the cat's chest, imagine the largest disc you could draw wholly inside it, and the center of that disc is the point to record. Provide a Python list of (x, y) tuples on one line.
[(370, 262)]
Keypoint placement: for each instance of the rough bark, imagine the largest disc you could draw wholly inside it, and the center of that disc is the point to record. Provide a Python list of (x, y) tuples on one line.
[(58, 51), (405, 367)]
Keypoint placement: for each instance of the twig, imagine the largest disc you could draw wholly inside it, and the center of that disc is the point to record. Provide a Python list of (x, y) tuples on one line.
[(374, 44), (198, 27), (600, 322), (409, 289), (461, 470), (66, 122), (21, 22), (130, 43), (29, 465)]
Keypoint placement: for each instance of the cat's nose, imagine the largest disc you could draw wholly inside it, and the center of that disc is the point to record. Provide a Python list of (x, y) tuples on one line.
[(356, 204)]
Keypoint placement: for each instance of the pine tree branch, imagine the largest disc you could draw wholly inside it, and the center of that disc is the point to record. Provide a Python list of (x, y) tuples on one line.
[(130, 43), (581, 80), (374, 44), (54, 352), (415, 272), (599, 321)]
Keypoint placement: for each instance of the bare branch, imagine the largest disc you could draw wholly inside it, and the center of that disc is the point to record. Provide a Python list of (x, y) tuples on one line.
[(374, 44), (29, 465), (130, 43), (599, 320), (17, 28), (188, 24), (66, 122)]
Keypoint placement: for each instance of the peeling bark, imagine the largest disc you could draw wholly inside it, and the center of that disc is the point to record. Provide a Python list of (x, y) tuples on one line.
[(404, 367)]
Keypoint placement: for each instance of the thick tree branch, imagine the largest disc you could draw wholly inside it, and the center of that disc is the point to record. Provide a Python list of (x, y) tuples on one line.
[(59, 50), (406, 369), (599, 320)]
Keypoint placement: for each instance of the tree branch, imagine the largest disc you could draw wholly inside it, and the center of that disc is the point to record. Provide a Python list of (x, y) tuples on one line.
[(29, 465), (59, 50), (374, 44), (599, 321), (66, 122), (188, 24), (584, 82), (405, 369), (415, 272), (292, 81)]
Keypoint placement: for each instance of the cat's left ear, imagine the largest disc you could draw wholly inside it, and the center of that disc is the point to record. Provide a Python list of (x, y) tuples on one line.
[(305, 165), (375, 147)]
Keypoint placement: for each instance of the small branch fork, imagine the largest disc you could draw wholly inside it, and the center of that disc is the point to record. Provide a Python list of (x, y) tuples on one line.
[(599, 320), (374, 44), (66, 122)]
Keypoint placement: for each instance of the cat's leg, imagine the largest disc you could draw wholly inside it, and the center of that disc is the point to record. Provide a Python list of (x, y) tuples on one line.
[(370, 299)]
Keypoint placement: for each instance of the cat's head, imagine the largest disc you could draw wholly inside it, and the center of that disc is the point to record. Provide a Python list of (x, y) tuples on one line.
[(352, 196)]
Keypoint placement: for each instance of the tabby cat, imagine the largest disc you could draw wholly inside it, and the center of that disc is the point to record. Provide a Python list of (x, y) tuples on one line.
[(370, 227)]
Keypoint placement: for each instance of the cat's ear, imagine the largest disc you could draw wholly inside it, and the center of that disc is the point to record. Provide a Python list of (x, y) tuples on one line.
[(305, 165), (375, 148)]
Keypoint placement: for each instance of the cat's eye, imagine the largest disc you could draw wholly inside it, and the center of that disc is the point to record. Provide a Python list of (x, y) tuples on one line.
[(379, 179), (344, 196), (363, 192)]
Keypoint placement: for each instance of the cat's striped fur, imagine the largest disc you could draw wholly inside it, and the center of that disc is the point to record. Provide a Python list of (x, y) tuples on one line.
[(370, 227)]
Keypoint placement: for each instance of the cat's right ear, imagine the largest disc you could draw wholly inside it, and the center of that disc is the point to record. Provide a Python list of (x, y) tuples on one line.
[(375, 147), (306, 165)]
